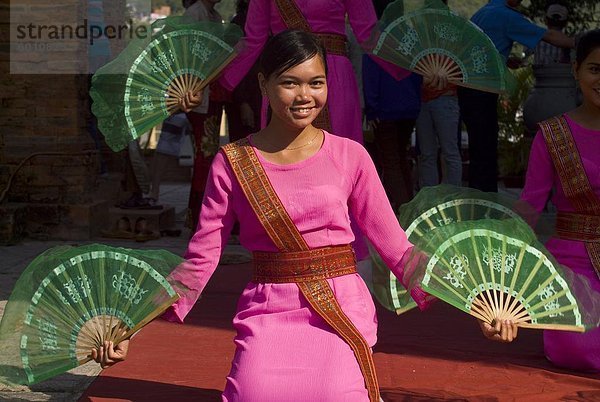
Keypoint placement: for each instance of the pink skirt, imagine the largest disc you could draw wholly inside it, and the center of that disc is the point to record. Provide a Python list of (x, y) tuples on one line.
[(286, 352), (571, 350)]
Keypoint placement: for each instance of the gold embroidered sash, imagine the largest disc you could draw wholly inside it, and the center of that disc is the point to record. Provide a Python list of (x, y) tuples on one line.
[(333, 43), (282, 231), (300, 266), (577, 188)]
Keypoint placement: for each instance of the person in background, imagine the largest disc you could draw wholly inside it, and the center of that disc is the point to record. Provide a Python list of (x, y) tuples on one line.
[(393, 119), (564, 165), (205, 118), (327, 19), (504, 25), (243, 112), (173, 129), (545, 53), (437, 126)]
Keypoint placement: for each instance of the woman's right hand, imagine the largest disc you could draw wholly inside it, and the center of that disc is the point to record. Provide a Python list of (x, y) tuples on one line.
[(109, 354), (436, 81), (191, 101), (501, 331)]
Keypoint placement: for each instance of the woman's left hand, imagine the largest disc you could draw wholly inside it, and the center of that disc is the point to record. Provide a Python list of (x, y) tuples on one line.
[(502, 331), (190, 101)]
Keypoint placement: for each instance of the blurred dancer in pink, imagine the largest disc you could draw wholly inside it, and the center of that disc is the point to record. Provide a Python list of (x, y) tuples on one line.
[(306, 322), (326, 19), (564, 157)]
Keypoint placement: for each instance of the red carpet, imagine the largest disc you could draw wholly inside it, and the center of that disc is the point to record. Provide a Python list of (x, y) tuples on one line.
[(437, 355)]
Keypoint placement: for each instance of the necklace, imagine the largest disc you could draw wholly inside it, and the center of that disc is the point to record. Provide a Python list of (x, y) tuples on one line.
[(306, 144)]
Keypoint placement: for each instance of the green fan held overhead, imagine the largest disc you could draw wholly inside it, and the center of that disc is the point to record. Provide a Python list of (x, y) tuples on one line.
[(425, 37), (497, 270), (433, 207), (70, 300), (145, 83)]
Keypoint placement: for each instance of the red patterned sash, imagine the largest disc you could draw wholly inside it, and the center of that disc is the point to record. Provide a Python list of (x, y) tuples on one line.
[(582, 225), (310, 278)]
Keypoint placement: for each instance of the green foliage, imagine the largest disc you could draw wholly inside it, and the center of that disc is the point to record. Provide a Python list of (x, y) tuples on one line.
[(583, 14), (466, 8), (513, 145)]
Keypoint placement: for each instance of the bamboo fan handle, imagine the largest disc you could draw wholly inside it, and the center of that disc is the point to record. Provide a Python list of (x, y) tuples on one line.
[(155, 313), (116, 338), (188, 83), (559, 327), (435, 64), (492, 305)]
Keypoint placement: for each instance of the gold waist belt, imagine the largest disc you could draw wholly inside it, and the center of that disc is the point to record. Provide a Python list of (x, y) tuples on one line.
[(334, 43), (302, 266), (573, 226)]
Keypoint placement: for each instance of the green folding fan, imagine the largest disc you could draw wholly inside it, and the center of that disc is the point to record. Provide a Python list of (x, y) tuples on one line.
[(426, 37), (70, 300), (497, 270), (433, 207), (145, 83)]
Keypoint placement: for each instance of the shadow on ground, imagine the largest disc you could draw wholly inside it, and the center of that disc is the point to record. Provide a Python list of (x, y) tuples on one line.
[(139, 390)]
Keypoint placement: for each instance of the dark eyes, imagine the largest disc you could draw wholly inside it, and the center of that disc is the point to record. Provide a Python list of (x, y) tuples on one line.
[(314, 84)]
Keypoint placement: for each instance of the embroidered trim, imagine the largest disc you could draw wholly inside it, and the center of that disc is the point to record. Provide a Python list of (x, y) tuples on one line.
[(333, 43), (322, 299), (315, 264), (575, 183), (262, 197), (282, 231), (578, 226), (593, 249), (291, 15), (568, 165)]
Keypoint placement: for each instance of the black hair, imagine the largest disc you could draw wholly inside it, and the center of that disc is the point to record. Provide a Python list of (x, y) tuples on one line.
[(288, 49), (586, 45)]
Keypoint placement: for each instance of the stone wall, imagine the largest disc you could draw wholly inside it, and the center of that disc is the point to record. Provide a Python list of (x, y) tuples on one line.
[(49, 164)]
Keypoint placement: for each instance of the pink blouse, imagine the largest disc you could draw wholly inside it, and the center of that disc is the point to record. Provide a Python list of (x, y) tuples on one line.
[(321, 194), (541, 178)]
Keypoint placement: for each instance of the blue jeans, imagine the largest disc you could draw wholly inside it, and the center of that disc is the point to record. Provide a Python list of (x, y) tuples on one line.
[(437, 126)]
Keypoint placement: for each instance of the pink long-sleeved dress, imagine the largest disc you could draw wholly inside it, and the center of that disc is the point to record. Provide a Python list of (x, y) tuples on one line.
[(284, 350), (566, 349)]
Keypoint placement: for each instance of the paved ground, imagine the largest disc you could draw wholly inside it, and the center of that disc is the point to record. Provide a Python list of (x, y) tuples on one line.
[(13, 259)]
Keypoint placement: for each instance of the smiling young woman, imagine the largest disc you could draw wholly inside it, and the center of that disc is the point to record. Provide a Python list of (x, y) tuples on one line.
[(296, 97), (305, 323)]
